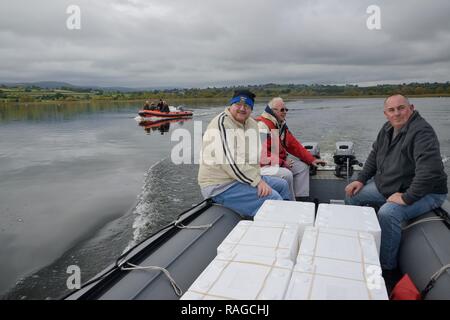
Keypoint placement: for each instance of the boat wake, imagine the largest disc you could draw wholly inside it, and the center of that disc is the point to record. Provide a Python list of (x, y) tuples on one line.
[(168, 189), (205, 113)]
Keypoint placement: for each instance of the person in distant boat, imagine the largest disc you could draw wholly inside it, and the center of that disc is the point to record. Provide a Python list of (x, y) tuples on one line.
[(403, 175), (153, 106), (165, 107), (160, 105), (274, 158), (147, 105), (229, 171)]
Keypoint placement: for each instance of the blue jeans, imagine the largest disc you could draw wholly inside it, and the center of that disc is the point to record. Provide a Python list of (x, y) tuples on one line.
[(244, 199), (391, 217)]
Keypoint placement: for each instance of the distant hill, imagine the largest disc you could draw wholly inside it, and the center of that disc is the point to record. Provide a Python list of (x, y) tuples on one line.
[(59, 85), (40, 84)]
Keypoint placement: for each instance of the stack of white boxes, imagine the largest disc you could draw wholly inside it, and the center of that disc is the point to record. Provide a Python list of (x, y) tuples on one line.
[(337, 264), (344, 217), (339, 258), (262, 238), (284, 254), (256, 259), (300, 213), (242, 276)]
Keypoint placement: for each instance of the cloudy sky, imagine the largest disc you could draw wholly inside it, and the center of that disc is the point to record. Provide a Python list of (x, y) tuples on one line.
[(200, 43)]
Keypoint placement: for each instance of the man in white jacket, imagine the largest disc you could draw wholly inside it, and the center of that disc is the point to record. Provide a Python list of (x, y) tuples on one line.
[(229, 170)]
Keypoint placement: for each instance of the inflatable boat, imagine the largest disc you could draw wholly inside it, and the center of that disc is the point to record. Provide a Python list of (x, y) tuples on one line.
[(153, 115), (180, 251)]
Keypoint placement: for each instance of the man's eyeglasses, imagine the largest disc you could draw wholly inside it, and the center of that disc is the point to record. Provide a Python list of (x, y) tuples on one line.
[(282, 110)]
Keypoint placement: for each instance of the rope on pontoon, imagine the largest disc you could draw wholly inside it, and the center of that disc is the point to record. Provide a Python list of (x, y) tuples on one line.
[(433, 280), (178, 224), (175, 286), (422, 221)]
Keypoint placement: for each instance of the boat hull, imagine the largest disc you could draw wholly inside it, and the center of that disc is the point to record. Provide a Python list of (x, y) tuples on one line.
[(424, 250), (154, 115)]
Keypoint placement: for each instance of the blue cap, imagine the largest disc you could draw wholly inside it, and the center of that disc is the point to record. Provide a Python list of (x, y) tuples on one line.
[(243, 96)]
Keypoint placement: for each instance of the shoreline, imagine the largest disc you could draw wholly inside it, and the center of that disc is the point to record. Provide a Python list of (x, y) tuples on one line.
[(221, 99)]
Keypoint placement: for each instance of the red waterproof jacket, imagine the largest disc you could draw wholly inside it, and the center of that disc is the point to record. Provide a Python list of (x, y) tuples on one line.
[(287, 143)]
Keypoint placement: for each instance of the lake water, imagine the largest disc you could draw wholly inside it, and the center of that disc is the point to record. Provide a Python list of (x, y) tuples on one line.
[(80, 183)]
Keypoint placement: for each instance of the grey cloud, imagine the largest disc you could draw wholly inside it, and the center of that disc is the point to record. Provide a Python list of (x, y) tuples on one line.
[(205, 43)]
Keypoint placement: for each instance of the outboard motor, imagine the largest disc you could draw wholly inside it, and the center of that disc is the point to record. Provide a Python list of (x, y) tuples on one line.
[(344, 158), (313, 148)]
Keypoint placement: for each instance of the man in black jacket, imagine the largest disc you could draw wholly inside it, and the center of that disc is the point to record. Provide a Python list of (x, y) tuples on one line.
[(403, 175)]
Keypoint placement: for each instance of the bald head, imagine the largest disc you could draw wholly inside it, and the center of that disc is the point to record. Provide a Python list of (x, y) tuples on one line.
[(397, 99), (398, 110)]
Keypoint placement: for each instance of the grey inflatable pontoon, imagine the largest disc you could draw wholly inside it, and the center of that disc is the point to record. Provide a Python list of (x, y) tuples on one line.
[(183, 252), (425, 251)]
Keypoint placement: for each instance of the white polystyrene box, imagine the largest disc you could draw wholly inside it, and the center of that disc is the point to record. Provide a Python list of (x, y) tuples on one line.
[(242, 277), (346, 217), (301, 213), (338, 244), (315, 278), (265, 238)]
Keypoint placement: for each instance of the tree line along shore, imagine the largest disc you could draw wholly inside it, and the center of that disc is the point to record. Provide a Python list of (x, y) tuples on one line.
[(34, 94)]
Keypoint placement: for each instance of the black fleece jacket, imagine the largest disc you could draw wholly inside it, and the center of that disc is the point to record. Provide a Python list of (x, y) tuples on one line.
[(411, 163)]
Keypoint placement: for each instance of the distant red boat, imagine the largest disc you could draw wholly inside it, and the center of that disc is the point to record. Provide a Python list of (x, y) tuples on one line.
[(155, 114)]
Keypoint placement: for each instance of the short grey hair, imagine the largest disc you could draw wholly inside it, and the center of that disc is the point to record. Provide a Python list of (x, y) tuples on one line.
[(273, 101)]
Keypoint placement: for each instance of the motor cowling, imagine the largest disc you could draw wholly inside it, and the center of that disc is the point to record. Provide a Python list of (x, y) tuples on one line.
[(344, 159), (313, 148)]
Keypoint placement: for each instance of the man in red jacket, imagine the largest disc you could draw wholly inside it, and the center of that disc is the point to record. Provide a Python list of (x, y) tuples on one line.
[(280, 142)]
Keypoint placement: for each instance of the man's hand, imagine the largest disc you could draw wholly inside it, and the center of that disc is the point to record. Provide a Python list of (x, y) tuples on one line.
[(289, 163), (316, 163), (353, 188), (396, 198), (263, 189)]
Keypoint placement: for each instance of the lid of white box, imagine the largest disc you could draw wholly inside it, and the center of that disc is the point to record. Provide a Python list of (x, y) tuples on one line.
[(305, 286), (347, 217), (239, 276), (263, 234), (281, 253), (287, 212), (340, 244), (338, 268)]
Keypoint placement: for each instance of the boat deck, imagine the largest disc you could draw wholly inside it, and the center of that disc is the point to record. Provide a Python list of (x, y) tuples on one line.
[(185, 253)]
